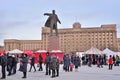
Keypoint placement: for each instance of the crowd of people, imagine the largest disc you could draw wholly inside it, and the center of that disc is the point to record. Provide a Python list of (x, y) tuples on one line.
[(101, 60), (9, 62)]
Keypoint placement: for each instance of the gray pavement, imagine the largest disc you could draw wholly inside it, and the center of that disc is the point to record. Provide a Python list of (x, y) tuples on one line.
[(84, 73)]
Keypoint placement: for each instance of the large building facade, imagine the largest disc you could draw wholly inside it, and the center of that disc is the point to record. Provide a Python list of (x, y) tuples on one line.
[(1, 48), (118, 44), (11, 44), (72, 39), (81, 39)]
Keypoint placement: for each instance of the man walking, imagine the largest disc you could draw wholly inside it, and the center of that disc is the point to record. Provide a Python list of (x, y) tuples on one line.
[(32, 63), (47, 63), (3, 63)]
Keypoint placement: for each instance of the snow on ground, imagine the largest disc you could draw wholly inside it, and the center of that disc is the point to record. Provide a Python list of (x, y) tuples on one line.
[(84, 73)]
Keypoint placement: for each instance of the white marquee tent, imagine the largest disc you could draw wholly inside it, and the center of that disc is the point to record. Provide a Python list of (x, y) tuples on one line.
[(109, 52), (58, 51), (94, 50), (41, 51), (15, 51)]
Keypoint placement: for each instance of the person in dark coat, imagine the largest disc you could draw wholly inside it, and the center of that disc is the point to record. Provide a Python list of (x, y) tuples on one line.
[(47, 63), (52, 22), (101, 61), (89, 61), (57, 68), (40, 62), (9, 64), (76, 62), (23, 65), (114, 60), (3, 63), (64, 67), (67, 62), (105, 59), (72, 58), (32, 63), (83, 62), (53, 65), (14, 64)]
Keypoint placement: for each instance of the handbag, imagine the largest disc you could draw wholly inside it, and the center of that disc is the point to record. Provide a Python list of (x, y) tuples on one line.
[(38, 65)]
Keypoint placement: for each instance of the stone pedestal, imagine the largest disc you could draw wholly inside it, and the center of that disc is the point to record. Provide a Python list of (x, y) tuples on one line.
[(53, 42)]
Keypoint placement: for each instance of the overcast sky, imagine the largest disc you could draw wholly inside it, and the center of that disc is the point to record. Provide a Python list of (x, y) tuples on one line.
[(23, 19)]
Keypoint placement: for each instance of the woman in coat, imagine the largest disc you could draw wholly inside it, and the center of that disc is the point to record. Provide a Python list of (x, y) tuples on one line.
[(67, 62), (76, 62), (40, 62), (53, 65), (23, 65), (57, 68)]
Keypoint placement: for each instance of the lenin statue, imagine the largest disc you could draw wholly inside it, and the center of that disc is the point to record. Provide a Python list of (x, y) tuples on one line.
[(52, 22)]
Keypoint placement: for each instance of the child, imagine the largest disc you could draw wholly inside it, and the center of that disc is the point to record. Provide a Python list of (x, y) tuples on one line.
[(98, 63), (71, 66)]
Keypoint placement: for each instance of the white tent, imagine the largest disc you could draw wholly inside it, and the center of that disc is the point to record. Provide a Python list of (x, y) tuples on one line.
[(54, 51), (94, 50), (41, 51), (109, 52), (15, 51)]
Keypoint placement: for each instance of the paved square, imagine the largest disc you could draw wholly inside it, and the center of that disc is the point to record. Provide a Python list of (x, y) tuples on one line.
[(84, 73)]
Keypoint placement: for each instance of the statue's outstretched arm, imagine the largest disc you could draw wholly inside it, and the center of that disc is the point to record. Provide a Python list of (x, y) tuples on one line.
[(48, 14)]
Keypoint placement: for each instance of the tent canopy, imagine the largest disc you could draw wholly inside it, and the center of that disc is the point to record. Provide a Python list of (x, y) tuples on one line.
[(56, 51), (15, 51), (2, 52), (109, 52), (94, 50), (28, 52), (41, 51)]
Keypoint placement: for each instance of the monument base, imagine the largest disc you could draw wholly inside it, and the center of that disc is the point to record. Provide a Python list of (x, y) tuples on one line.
[(53, 43)]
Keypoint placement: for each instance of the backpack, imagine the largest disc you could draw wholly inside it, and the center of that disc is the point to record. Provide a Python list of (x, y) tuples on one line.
[(119, 60)]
